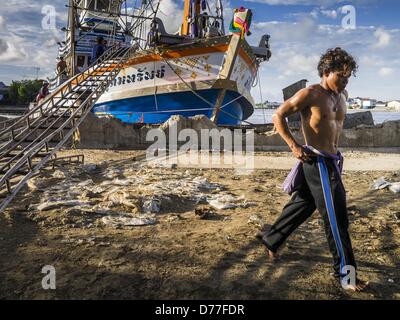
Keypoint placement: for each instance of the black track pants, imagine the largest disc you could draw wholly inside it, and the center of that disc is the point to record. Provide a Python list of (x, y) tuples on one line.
[(324, 191)]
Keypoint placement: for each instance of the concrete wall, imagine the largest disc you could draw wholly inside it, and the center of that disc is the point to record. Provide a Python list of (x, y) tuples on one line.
[(109, 133), (386, 135)]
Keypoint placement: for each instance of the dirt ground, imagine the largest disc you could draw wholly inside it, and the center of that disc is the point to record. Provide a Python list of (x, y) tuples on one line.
[(193, 251)]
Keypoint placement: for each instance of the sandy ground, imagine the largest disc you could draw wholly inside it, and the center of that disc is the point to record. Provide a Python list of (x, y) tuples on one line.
[(194, 251), (355, 161)]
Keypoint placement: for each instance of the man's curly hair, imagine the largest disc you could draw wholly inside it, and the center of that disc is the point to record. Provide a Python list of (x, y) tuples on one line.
[(336, 60)]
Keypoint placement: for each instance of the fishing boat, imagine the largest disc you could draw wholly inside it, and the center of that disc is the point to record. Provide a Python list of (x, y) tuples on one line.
[(197, 70)]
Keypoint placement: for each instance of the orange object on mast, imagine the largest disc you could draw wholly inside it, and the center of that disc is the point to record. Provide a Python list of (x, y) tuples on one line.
[(187, 15)]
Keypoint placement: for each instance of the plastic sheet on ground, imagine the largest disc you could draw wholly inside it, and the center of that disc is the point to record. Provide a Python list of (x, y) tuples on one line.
[(223, 202), (382, 183), (46, 206), (395, 187), (126, 221)]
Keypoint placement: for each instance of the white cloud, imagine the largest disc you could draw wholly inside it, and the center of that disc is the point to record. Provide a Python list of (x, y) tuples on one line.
[(297, 64), (324, 3), (295, 46), (3, 46), (372, 61), (329, 13), (383, 38), (384, 72), (316, 12), (295, 56), (3, 25), (286, 31), (298, 2), (10, 52), (171, 14)]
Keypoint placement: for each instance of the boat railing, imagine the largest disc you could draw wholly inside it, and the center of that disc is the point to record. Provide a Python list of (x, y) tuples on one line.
[(35, 140), (62, 89)]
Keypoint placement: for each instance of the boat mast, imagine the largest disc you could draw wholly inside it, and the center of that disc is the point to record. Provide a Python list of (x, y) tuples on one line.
[(71, 23), (220, 14)]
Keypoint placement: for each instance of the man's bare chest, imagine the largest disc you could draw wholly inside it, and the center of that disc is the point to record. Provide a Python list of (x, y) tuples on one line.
[(328, 109)]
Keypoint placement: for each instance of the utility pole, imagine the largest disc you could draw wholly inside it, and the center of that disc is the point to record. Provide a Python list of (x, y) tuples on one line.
[(37, 69)]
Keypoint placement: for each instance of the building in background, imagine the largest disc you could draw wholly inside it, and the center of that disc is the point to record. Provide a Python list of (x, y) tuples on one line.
[(381, 104), (362, 103), (394, 105), (4, 93)]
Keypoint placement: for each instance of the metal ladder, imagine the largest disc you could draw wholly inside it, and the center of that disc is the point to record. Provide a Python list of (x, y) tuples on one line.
[(30, 142)]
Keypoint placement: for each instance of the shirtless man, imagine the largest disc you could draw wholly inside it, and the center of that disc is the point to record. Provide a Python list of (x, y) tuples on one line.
[(62, 67), (323, 109), (62, 71)]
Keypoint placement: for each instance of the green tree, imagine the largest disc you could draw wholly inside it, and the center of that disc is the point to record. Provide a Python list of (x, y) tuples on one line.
[(25, 91), (14, 92)]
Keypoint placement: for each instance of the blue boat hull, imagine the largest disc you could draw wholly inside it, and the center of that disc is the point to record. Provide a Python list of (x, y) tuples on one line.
[(158, 109)]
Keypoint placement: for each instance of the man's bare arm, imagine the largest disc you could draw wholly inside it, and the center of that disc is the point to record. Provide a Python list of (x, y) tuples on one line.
[(297, 103)]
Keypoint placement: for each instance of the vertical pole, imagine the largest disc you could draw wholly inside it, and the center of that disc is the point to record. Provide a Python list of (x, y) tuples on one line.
[(186, 16), (72, 19)]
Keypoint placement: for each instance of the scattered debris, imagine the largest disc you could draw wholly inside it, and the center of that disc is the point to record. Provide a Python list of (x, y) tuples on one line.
[(152, 205), (395, 187), (46, 206), (380, 184), (257, 221), (204, 212), (117, 197), (174, 217), (354, 210), (89, 194), (202, 183), (112, 173), (37, 184), (58, 174), (89, 167), (227, 201), (223, 202), (125, 221), (118, 182)]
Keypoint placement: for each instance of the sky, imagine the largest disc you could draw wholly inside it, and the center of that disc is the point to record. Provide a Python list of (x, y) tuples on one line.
[(300, 30)]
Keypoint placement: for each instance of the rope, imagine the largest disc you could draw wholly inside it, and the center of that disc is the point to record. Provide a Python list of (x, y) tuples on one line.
[(226, 104), (199, 96), (261, 97), (155, 87), (193, 92)]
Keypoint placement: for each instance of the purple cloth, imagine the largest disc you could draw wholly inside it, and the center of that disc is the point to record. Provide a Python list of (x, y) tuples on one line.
[(296, 177)]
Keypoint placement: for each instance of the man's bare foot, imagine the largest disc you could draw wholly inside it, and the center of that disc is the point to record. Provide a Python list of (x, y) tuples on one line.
[(358, 287), (273, 256)]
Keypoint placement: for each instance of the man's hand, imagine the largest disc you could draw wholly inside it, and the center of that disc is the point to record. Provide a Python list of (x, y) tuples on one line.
[(300, 153), (299, 102)]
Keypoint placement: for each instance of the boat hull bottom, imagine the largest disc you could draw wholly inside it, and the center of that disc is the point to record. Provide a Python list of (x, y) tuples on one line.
[(156, 109)]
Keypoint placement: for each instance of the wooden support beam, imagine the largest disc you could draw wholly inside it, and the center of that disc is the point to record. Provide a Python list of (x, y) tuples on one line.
[(226, 72)]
